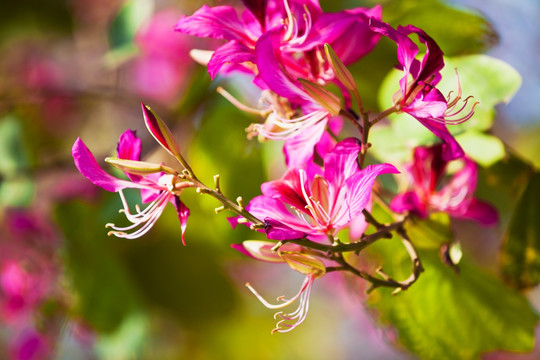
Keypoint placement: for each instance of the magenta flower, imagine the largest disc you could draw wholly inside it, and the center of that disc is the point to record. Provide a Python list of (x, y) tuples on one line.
[(431, 194), (314, 202), (303, 29), (158, 188), (305, 264), (418, 95)]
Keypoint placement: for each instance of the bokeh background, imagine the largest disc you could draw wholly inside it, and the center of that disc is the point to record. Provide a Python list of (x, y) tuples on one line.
[(81, 68)]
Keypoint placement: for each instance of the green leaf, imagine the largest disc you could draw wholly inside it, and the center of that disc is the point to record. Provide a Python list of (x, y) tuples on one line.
[(455, 316), (123, 28), (16, 186), (484, 149), (430, 233), (456, 30), (105, 294), (520, 256)]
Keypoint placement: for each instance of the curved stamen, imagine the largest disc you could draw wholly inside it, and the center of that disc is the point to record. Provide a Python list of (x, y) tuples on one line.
[(286, 302), (145, 219)]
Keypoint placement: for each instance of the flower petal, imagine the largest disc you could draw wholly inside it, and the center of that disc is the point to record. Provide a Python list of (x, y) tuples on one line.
[(359, 192), (183, 214), (219, 22), (481, 212), (233, 52), (342, 162), (271, 70), (88, 166)]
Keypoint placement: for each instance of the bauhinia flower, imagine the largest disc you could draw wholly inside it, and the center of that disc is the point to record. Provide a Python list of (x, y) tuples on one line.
[(418, 95), (159, 184), (317, 202), (304, 263), (303, 30), (430, 193)]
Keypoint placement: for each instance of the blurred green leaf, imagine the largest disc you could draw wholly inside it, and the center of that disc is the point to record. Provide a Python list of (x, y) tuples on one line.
[(16, 186), (13, 153), (126, 342), (34, 17), (483, 148), (430, 233), (454, 316), (456, 30), (124, 27), (520, 255), (105, 294)]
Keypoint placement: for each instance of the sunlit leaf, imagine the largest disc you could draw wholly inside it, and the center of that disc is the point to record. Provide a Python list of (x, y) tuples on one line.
[(455, 316), (483, 148), (457, 30), (520, 256)]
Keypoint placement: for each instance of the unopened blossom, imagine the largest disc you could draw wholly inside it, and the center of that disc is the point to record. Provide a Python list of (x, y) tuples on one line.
[(159, 185), (418, 95), (299, 261), (431, 192), (317, 202)]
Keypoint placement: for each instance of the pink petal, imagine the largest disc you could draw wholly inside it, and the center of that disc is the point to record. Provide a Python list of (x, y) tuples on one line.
[(88, 166), (359, 188), (481, 212), (409, 201), (288, 189), (299, 149), (219, 22), (271, 69), (233, 52), (342, 162), (183, 214)]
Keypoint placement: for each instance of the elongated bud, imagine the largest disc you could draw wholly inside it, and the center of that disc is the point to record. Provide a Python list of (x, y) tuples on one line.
[(160, 131), (262, 250), (322, 96), (138, 167), (305, 264), (340, 70)]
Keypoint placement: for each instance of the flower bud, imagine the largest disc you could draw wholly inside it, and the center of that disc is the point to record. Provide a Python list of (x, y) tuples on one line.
[(322, 96), (340, 70), (136, 167), (160, 131)]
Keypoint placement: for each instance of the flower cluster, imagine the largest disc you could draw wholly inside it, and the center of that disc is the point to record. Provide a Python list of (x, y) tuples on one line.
[(293, 50)]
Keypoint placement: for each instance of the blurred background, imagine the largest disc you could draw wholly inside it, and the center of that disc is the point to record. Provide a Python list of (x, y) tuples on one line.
[(73, 68)]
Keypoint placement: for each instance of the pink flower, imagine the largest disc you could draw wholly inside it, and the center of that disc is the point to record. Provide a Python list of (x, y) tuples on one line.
[(418, 95), (317, 202), (158, 188), (306, 264), (430, 194), (303, 29)]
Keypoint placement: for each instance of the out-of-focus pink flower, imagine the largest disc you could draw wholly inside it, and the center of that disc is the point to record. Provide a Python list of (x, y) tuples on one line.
[(164, 64), (429, 193), (317, 202), (418, 95), (305, 264), (30, 345)]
